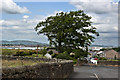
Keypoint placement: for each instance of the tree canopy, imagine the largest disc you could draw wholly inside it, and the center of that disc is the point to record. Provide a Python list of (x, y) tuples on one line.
[(68, 30)]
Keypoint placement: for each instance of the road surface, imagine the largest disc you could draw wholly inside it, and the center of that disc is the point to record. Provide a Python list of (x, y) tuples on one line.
[(96, 72)]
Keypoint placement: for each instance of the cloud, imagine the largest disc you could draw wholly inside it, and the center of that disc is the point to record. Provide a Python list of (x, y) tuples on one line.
[(25, 16), (91, 1), (105, 23), (95, 6), (24, 28), (24, 23), (104, 15), (10, 7)]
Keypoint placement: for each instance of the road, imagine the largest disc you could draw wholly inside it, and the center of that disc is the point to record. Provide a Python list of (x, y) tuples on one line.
[(96, 72)]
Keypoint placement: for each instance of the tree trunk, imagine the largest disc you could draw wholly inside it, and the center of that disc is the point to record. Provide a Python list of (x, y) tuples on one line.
[(59, 47)]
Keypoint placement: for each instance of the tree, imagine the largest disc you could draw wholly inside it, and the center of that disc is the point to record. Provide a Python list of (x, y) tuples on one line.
[(116, 49), (43, 51), (50, 52), (79, 53), (68, 31)]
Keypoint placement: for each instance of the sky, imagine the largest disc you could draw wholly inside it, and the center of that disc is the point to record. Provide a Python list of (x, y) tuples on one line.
[(19, 18)]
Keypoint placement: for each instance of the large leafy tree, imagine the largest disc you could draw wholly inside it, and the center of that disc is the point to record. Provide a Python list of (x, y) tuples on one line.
[(68, 31)]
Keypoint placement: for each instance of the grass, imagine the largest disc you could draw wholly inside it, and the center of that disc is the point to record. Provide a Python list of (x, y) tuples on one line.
[(112, 60), (18, 63), (8, 51), (22, 52)]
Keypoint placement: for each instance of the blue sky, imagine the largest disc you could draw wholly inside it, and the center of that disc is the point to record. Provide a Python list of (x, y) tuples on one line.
[(40, 8), (20, 18)]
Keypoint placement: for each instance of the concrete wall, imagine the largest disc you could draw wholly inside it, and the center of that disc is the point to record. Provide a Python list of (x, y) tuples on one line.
[(61, 69)]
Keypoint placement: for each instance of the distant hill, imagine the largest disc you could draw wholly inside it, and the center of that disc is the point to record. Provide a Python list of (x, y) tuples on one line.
[(100, 46), (23, 42)]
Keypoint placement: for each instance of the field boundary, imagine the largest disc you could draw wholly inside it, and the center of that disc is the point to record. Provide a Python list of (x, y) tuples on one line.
[(52, 68)]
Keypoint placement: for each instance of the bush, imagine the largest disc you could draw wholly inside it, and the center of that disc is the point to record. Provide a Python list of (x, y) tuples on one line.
[(32, 52), (64, 55), (74, 61), (102, 58), (80, 53), (50, 52), (115, 58), (54, 55), (96, 57), (43, 51), (8, 51), (23, 53), (39, 55)]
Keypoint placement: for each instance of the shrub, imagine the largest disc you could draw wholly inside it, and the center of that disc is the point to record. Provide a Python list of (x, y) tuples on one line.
[(115, 58), (74, 61), (50, 52), (8, 51), (80, 53), (96, 57), (39, 55), (43, 51), (19, 52), (102, 58), (54, 55), (23, 53), (64, 55), (31, 52)]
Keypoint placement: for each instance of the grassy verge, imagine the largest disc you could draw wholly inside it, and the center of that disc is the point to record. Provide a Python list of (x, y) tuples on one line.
[(110, 60)]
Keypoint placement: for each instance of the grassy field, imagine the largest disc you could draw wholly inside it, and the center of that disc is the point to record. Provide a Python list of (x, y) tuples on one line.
[(13, 51), (21, 52), (18, 63)]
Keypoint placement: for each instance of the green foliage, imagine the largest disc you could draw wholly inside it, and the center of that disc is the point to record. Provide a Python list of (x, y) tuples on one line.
[(54, 55), (18, 63), (64, 55), (39, 55), (118, 59), (50, 52), (43, 51), (33, 52), (96, 57), (115, 58), (23, 53), (102, 58), (103, 49), (116, 49), (8, 51), (67, 31), (17, 52), (74, 61), (79, 53), (28, 53)]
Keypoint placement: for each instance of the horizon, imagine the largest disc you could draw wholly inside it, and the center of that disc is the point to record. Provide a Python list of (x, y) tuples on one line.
[(18, 23), (48, 43)]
